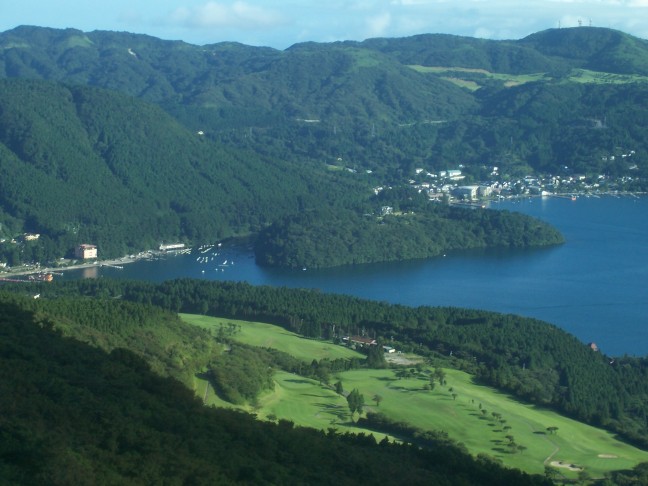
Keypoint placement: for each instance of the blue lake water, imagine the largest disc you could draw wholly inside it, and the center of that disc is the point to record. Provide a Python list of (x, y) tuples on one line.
[(595, 286)]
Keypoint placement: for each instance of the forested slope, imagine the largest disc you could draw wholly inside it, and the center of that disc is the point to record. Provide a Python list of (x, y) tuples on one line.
[(86, 165), (318, 239), (83, 165), (73, 414), (535, 361), (388, 105)]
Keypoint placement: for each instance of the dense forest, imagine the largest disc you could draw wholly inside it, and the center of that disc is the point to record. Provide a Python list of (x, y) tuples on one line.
[(76, 414), (533, 360), (562, 97), (83, 165), (329, 238)]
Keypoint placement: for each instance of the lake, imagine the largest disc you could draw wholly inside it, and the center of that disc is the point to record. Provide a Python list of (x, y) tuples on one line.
[(595, 286)]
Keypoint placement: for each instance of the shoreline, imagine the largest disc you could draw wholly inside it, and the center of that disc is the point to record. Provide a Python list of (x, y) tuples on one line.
[(8, 274), (114, 262)]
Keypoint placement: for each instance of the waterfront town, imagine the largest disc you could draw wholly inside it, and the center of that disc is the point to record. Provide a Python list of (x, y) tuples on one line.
[(451, 186)]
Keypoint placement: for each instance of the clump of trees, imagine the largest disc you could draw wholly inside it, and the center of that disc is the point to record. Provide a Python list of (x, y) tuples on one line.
[(356, 402), (241, 373)]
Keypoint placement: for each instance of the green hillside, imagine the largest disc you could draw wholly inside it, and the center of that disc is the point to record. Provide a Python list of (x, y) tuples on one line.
[(362, 102), (405, 399), (595, 48), (263, 335), (330, 238), (74, 414), (509, 57), (87, 165), (68, 386), (532, 360)]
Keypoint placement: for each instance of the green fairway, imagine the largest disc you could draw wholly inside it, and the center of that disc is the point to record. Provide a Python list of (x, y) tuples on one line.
[(304, 402), (572, 443), (270, 336), (467, 416)]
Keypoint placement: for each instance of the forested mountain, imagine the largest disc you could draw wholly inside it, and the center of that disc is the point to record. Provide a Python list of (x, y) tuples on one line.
[(549, 51), (307, 81), (562, 97), (594, 48), (241, 136), (512, 57), (84, 164), (81, 164)]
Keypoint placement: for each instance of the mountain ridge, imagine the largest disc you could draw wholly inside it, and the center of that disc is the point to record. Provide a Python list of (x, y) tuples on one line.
[(278, 125)]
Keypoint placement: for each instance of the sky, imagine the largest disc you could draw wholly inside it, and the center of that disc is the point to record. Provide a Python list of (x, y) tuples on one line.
[(282, 23)]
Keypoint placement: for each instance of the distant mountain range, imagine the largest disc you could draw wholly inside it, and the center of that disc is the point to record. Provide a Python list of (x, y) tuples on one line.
[(243, 135), (517, 103)]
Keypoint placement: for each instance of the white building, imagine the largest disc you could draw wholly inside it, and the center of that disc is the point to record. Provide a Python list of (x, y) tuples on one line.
[(85, 251)]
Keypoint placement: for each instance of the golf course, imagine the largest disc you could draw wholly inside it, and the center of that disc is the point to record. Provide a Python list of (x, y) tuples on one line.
[(485, 420)]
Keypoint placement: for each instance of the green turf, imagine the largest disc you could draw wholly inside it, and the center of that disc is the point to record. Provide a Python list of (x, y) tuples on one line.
[(270, 336), (573, 442), (307, 403)]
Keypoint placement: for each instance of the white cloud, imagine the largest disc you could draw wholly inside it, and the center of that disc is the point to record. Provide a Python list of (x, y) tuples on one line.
[(240, 15), (379, 24)]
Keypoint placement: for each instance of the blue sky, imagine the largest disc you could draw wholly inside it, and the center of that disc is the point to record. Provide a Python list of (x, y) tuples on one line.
[(281, 23)]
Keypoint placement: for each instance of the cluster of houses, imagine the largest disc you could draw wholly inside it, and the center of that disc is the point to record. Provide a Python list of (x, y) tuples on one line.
[(446, 185)]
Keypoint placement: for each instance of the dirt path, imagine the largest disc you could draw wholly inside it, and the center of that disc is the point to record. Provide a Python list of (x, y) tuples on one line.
[(205, 396), (555, 451)]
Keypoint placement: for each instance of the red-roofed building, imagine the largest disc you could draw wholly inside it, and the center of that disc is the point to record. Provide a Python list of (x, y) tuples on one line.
[(359, 340)]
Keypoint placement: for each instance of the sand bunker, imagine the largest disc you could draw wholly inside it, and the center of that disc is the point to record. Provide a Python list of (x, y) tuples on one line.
[(608, 456), (564, 465)]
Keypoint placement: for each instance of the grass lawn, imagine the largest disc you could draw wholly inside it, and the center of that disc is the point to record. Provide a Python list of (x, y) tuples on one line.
[(270, 336), (305, 402), (573, 442), (466, 417), (508, 80)]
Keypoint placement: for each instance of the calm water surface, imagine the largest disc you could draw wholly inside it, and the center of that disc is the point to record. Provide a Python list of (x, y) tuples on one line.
[(595, 285)]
